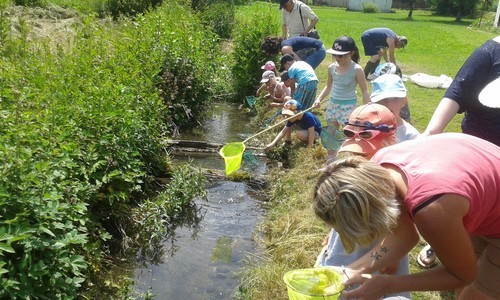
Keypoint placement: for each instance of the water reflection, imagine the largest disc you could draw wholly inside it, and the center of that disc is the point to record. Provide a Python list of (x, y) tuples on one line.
[(208, 243), (201, 260)]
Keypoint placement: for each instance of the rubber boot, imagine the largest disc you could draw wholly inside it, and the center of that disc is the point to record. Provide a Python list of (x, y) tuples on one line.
[(370, 67)]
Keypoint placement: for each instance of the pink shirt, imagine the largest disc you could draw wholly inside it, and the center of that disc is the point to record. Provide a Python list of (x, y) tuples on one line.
[(451, 163)]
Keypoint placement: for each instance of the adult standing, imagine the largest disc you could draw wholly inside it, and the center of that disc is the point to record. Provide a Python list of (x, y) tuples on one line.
[(376, 41), (310, 50), (296, 18)]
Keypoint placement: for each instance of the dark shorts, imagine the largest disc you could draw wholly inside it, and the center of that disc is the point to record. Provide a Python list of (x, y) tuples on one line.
[(370, 47)]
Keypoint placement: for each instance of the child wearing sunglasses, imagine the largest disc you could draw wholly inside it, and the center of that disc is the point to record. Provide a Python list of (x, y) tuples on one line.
[(343, 76), (370, 128)]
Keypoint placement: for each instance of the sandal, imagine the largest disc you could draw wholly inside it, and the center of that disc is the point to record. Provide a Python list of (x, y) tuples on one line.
[(426, 257)]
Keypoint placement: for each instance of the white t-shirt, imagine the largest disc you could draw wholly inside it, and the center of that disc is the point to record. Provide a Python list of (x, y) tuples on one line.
[(406, 132), (292, 19)]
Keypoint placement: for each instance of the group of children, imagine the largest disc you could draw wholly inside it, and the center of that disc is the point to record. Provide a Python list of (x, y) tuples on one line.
[(344, 76), (366, 128)]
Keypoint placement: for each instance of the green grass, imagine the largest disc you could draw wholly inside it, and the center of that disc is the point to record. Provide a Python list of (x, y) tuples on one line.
[(291, 236)]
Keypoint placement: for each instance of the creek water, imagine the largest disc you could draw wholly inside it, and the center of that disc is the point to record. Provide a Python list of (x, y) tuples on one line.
[(202, 259)]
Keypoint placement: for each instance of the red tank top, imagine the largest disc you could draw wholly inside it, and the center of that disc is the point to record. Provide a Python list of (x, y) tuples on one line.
[(451, 163)]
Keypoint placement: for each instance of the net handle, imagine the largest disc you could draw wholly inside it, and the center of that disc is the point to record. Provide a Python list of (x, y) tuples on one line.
[(269, 128)]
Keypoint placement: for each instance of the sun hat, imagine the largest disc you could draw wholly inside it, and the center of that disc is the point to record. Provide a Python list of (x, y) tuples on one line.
[(387, 86), (284, 59), (403, 39), (370, 116), (385, 68), (489, 96), (268, 66), (266, 76), (342, 45), (282, 3), (291, 107)]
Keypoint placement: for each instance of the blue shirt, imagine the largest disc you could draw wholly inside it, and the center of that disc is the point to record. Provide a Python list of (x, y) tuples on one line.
[(301, 42), (302, 72), (307, 121)]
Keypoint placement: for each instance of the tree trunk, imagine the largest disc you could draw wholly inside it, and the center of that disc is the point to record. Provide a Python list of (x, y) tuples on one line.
[(410, 14)]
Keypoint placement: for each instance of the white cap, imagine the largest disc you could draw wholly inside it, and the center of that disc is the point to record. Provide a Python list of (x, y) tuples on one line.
[(490, 95), (266, 76)]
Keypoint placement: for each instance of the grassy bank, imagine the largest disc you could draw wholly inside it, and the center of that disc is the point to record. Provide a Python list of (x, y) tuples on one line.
[(291, 235)]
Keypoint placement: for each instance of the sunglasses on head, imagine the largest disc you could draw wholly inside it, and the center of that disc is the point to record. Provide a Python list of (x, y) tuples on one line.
[(370, 126), (363, 134)]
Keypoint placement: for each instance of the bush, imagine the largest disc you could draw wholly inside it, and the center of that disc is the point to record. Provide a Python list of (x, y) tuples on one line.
[(219, 16), (130, 7), (369, 8), (82, 139), (248, 58)]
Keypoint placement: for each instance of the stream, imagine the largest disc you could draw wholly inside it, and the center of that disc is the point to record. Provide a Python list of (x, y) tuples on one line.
[(202, 259)]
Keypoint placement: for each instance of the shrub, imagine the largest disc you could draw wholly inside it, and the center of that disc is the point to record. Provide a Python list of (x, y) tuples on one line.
[(219, 16), (130, 7), (82, 138), (369, 8), (248, 58)]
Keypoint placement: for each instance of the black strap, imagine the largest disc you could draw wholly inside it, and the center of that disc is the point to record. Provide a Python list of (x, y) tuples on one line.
[(302, 19)]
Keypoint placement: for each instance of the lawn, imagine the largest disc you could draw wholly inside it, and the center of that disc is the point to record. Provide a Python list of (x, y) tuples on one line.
[(290, 236)]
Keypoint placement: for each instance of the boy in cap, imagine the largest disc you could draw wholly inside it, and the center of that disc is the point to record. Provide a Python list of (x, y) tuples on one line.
[(390, 91), (376, 41), (309, 125), (303, 74)]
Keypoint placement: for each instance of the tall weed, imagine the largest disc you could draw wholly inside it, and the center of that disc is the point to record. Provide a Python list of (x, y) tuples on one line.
[(248, 58)]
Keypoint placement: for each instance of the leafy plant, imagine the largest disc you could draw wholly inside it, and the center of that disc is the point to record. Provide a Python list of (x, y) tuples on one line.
[(369, 8), (248, 35)]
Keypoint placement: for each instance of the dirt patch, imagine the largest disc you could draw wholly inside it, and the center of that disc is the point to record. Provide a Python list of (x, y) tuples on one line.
[(51, 23)]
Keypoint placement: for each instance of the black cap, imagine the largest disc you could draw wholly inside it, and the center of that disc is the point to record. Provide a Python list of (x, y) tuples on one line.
[(284, 59), (282, 3), (285, 76), (342, 45)]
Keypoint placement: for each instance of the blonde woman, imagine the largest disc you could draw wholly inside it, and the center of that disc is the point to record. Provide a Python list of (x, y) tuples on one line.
[(445, 187)]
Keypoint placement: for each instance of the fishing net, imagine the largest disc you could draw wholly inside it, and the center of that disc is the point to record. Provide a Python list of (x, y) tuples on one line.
[(331, 138)]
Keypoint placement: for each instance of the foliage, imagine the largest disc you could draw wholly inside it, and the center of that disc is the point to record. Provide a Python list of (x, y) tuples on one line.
[(130, 7), (248, 35), (83, 138), (457, 8), (369, 7), (30, 2), (219, 16)]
